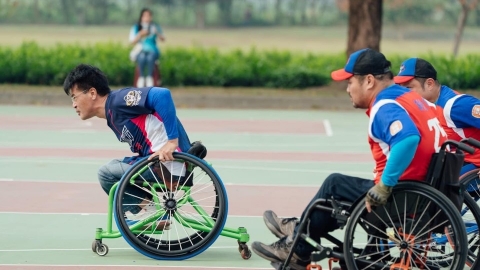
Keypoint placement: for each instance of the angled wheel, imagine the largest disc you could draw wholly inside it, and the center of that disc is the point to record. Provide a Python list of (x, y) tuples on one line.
[(401, 234), (471, 215), (183, 206)]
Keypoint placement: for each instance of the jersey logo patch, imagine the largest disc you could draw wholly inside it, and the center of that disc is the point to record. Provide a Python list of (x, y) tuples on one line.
[(132, 98), (476, 111), (395, 127), (126, 136)]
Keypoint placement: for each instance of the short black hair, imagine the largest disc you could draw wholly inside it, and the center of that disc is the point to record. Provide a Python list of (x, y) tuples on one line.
[(86, 76)]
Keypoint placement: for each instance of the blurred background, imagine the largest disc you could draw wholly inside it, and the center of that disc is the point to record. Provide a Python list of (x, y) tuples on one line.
[(283, 44)]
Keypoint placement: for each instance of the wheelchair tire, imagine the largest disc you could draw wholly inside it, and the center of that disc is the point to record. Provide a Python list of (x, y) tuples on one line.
[(470, 181), (382, 254), (182, 248)]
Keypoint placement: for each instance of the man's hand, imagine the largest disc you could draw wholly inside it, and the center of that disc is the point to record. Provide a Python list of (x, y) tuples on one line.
[(166, 152), (377, 195)]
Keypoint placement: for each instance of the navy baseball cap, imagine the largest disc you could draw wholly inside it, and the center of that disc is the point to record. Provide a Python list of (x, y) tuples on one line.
[(415, 67), (362, 62)]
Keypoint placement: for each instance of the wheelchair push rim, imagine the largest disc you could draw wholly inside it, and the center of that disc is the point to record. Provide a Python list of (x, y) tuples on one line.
[(414, 213), (191, 214)]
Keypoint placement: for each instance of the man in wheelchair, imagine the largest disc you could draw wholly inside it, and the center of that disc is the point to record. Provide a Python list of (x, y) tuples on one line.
[(145, 118), (403, 133), (458, 113)]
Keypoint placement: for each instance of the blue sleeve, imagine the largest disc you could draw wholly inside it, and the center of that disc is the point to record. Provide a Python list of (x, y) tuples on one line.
[(160, 100), (401, 156), (466, 112), (392, 124)]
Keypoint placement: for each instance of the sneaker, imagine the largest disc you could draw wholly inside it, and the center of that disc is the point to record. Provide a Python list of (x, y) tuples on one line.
[(140, 82), (278, 253), (280, 227), (150, 209), (149, 81)]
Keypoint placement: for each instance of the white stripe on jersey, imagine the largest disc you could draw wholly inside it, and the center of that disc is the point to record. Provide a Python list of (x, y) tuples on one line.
[(446, 113), (156, 132), (157, 135), (384, 146)]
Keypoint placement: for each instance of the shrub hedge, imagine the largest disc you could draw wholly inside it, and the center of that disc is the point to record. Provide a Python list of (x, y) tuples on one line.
[(32, 64)]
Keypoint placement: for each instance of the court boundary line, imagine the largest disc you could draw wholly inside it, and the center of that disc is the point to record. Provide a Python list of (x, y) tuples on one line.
[(327, 127), (124, 248), (133, 265), (90, 214), (95, 183)]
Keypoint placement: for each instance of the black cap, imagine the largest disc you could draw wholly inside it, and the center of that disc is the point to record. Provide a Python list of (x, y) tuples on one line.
[(363, 62), (415, 67)]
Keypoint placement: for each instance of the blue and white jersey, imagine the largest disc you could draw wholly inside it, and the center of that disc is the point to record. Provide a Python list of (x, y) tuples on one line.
[(145, 118)]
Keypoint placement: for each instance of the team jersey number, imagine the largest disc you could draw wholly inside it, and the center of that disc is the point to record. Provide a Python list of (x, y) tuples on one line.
[(434, 124)]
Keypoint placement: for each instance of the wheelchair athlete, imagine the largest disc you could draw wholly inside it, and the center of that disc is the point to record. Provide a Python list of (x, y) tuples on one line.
[(145, 118), (459, 114), (403, 134)]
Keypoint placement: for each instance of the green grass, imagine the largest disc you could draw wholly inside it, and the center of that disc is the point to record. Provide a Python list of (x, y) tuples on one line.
[(416, 40)]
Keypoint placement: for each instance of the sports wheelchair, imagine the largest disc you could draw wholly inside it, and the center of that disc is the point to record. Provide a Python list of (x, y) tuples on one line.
[(470, 183), (184, 216), (420, 226)]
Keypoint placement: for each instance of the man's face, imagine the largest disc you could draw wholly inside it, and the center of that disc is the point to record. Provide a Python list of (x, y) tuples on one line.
[(356, 89), (83, 101), (423, 87), (415, 86)]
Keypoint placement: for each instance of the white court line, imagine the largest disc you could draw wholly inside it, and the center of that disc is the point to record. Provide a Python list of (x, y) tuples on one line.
[(214, 166), (328, 128), (133, 265), (79, 249), (94, 214), (89, 249), (78, 131), (85, 160), (226, 184), (288, 170)]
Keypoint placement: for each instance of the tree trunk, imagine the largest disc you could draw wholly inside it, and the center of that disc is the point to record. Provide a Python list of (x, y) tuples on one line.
[(364, 25), (278, 11), (66, 6), (225, 14), (462, 19), (36, 12), (200, 13)]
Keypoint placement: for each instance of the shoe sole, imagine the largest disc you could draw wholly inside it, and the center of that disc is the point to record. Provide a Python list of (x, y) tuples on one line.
[(265, 254), (271, 224), (260, 251)]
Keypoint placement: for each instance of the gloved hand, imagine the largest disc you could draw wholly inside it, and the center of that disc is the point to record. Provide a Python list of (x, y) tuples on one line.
[(378, 194)]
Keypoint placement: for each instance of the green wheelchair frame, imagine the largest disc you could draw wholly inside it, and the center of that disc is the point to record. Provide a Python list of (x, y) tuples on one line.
[(240, 234)]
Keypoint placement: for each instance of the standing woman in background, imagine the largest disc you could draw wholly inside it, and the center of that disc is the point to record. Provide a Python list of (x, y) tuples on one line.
[(145, 52)]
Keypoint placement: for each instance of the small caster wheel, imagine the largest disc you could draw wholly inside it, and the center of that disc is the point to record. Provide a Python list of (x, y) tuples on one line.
[(246, 254), (101, 249), (94, 246)]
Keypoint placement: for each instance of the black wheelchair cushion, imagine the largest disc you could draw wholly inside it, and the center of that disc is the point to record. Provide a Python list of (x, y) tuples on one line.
[(198, 149)]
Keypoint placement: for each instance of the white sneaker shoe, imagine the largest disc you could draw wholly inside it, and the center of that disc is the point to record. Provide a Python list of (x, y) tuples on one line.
[(148, 211), (141, 82), (149, 81)]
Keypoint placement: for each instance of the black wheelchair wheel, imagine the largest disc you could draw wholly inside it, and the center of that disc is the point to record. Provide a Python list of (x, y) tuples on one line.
[(186, 210), (400, 234), (471, 184)]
